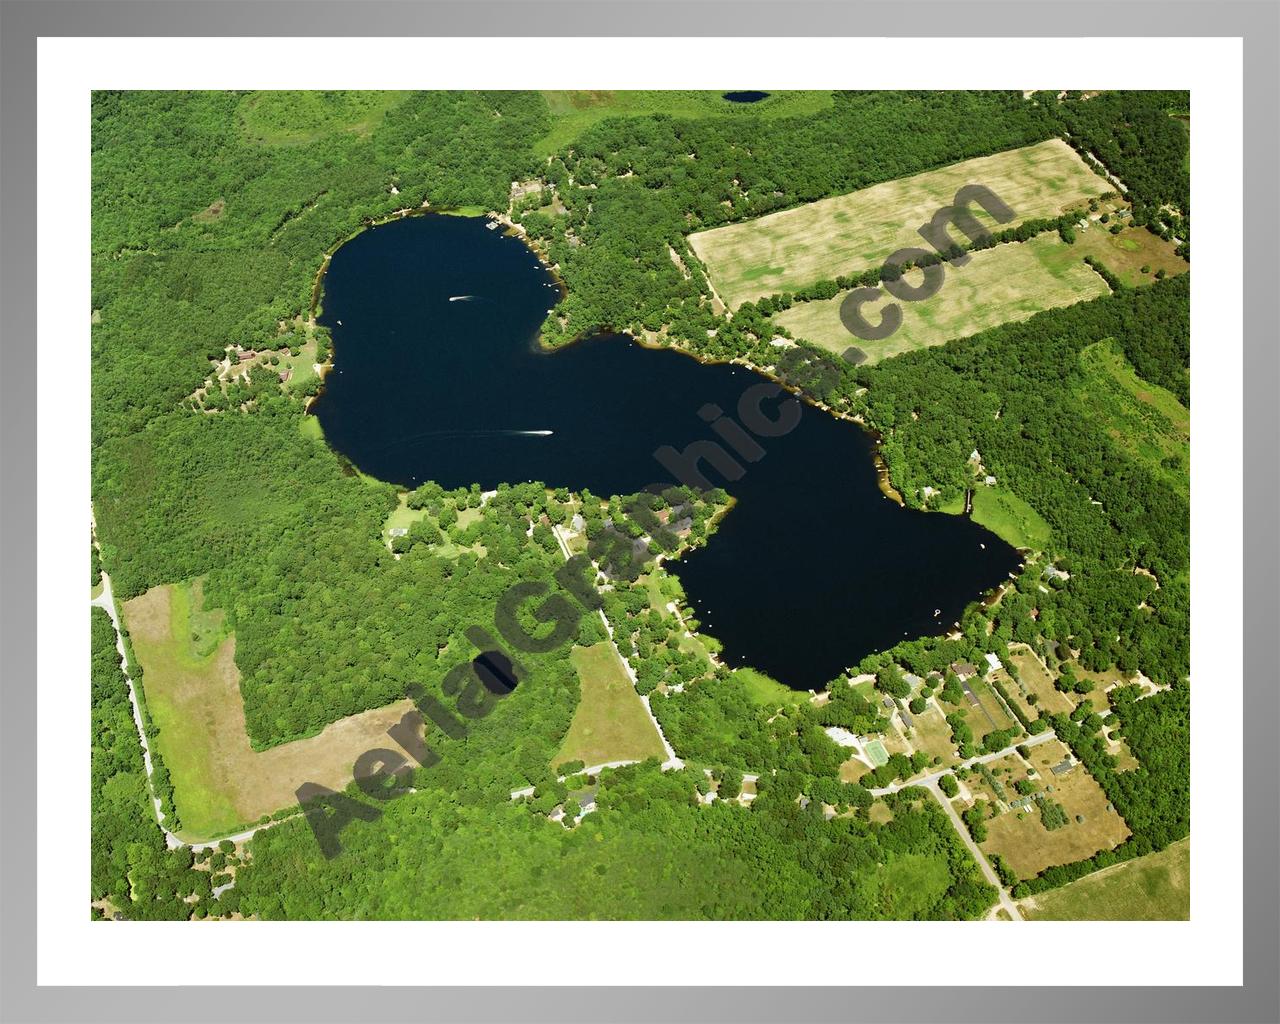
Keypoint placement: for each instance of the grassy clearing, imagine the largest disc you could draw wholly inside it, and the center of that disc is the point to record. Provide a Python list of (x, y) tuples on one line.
[(765, 690), (1028, 847), (1143, 419), (880, 813), (932, 735), (1126, 253), (1156, 887), (913, 882), (192, 689), (853, 770), (574, 111), (855, 232), (309, 426), (403, 517), (1036, 680), (1010, 518), (610, 723), (286, 118), (1013, 281)]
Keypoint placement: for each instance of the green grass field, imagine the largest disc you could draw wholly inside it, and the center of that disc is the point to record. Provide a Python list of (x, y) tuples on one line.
[(765, 690), (285, 118), (932, 735), (1009, 282), (1009, 518), (913, 882), (855, 232), (575, 111), (173, 673), (1143, 419), (610, 723), (1156, 887), (309, 426)]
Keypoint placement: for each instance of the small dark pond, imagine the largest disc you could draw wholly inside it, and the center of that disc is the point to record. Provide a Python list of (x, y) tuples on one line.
[(747, 96), (437, 375)]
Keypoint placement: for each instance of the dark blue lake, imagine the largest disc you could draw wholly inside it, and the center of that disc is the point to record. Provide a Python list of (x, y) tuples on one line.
[(438, 376), (744, 96)]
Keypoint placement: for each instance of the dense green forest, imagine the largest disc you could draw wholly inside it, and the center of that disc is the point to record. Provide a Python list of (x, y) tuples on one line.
[(1007, 394), (213, 213), (1141, 138), (649, 851)]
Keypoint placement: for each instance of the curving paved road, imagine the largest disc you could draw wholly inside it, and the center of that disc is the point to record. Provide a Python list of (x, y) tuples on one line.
[(930, 782)]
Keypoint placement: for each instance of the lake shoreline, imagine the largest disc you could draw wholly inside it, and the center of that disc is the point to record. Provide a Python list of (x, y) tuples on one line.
[(449, 412)]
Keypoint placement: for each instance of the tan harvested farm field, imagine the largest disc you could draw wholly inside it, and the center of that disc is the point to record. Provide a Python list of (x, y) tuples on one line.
[(192, 690), (855, 232), (1007, 283)]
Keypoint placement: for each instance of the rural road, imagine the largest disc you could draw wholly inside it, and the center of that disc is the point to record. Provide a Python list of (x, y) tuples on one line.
[(672, 761), (1006, 902), (930, 782), (1033, 741), (106, 601)]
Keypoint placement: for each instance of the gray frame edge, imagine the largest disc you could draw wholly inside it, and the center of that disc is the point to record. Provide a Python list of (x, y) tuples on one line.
[(23, 21)]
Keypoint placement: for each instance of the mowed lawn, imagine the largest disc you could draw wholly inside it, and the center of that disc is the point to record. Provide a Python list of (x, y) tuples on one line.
[(1008, 282), (1156, 887), (610, 723), (1007, 516), (855, 232), (192, 690)]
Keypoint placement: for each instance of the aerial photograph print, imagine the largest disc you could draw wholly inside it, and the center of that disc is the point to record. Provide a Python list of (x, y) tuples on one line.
[(724, 505)]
